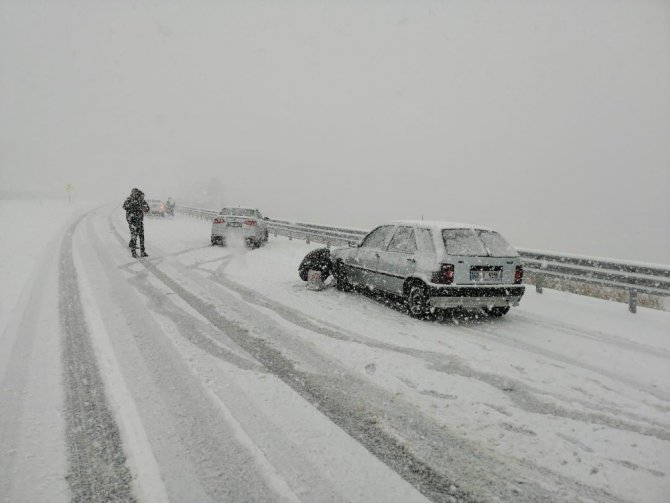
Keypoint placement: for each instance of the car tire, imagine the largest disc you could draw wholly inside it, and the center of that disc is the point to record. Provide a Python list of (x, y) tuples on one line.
[(417, 301), (497, 312), (340, 275), (316, 260)]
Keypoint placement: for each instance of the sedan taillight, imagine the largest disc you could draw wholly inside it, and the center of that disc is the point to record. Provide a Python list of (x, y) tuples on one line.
[(445, 276), (518, 275), (219, 221), (250, 222)]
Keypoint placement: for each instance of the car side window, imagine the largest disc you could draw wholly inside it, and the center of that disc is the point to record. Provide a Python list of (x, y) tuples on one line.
[(425, 238), (403, 241), (377, 238)]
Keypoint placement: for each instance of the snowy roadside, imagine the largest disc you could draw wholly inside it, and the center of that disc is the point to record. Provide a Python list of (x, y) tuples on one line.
[(27, 226)]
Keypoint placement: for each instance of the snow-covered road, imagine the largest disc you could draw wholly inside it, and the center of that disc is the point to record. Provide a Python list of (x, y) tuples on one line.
[(211, 374)]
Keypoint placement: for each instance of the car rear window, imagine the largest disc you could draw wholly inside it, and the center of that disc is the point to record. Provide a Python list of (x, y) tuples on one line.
[(475, 242), (237, 212), (497, 245)]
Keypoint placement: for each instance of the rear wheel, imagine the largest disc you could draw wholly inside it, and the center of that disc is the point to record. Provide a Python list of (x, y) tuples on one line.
[(417, 301), (497, 312)]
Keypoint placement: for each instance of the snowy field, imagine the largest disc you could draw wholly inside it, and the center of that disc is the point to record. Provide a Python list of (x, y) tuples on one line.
[(212, 374)]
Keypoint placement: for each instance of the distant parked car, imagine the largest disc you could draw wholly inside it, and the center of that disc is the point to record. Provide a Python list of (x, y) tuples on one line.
[(431, 265), (247, 223), (157, 207)]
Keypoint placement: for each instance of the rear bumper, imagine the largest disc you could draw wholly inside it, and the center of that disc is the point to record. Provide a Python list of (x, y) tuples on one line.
[(237, 233), (475, 296), (233, 231)]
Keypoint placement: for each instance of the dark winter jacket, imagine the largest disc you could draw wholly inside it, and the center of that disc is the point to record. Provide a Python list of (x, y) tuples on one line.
[(135, 206)]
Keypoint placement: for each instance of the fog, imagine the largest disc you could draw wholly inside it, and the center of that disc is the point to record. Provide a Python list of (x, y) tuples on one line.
[(549, 121)]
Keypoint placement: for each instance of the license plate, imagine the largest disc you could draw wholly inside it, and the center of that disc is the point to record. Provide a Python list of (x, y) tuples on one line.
[(234, 224), (485, 275)]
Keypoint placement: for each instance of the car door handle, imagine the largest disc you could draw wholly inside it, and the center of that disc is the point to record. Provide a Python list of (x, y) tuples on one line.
[(411, 260)]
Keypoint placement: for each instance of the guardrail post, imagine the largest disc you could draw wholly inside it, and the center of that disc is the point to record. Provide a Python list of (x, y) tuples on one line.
[(307, 239), (632, 301), (539, 281)]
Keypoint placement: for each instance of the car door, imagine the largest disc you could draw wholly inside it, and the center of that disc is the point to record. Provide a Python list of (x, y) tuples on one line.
[(398, 261), (363, 263)]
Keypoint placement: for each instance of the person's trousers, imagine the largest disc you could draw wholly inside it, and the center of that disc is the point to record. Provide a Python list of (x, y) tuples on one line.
[(136, 230)]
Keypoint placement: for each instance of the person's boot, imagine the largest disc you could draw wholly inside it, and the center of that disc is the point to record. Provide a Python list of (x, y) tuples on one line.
[(143, 254), (133, 252)]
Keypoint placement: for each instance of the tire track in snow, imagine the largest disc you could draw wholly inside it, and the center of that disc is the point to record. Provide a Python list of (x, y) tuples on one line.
[(97, 470), (595, 335), (523, 395)]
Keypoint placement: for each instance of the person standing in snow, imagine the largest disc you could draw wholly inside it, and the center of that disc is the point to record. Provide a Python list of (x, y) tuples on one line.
[(136, 207), (170, 205)]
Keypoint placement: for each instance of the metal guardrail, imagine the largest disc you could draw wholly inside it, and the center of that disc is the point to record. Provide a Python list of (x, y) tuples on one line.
[(633, 277)]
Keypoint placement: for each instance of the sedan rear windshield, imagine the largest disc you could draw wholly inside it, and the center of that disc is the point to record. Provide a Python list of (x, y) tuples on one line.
[(237, 212), (476, 243)]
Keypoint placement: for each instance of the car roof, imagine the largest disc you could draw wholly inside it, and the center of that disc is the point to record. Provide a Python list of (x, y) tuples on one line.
[(251, 208), (439, 224)]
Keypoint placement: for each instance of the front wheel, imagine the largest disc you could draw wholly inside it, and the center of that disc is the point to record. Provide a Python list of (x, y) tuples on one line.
[(417, 302), (341, 280)]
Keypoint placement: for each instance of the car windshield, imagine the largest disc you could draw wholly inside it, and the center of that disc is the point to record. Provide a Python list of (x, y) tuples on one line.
[(475, 242), (237, 212)]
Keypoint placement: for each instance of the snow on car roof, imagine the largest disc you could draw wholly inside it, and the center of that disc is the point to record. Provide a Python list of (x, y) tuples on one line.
[(438, 224)]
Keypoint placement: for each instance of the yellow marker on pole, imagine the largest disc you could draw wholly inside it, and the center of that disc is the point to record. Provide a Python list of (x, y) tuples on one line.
[(69, 188)]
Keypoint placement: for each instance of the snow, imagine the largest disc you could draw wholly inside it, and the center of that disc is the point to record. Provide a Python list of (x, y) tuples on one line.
[(198, 346), (28, 228)]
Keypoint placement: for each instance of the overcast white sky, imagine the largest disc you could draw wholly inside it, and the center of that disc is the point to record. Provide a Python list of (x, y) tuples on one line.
[(549, 120)]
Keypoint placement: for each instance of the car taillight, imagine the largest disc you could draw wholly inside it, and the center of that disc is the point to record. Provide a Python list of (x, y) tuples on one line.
[(518, 274), (445, 276), (219, 221), (250, 222)]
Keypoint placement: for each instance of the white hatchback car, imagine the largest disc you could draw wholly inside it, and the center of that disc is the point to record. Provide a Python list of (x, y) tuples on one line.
[(245, 223), (434, 265)]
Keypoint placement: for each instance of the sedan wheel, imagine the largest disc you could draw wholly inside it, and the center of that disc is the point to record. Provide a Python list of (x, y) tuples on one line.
[(417, 302), (342, 282)]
